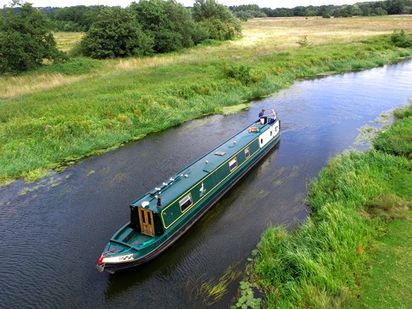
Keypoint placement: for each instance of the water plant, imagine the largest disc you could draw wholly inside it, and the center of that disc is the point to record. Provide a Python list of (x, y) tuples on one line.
[(213, 290)]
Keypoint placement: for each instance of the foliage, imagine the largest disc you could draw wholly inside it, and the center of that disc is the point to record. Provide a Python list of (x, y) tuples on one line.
[(116, 33), (217, 19), (240, 73), (245, 12), (398, 139), (74, 18), (326, 11), (247, 299), (400, 39), (220, 30), (404, 112), (169, 23), (25, 39), (75, 66), (213, 290)]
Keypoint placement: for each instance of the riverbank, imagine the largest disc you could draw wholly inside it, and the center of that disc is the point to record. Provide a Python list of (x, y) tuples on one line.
[(354, 250), (85, 107)]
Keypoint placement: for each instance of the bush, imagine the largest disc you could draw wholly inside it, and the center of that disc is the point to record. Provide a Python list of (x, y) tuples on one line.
[(25, 39), (116, 33), (169, 23), (400, 39), (217, 19), (398, 139), (200, 33), (240, 73)]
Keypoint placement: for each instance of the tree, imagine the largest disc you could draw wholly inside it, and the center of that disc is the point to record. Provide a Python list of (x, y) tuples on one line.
[(116, 33), (25, 39), (217, 19), (74, 18), (168, 22)]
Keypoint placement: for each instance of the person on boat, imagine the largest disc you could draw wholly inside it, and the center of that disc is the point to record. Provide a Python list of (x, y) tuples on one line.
[(262, 117)]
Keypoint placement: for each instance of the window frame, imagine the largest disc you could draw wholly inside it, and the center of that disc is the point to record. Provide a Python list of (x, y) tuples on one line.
[(247, 153), (184, 200), (233, 164)]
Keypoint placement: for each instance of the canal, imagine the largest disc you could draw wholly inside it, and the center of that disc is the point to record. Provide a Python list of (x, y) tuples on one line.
[(53, 231)]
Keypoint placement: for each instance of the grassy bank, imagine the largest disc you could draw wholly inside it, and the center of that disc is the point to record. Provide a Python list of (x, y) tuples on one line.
[(354, 249), (65, 112)]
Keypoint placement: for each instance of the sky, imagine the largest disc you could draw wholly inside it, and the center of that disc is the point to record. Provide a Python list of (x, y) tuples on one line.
[(124, 3)]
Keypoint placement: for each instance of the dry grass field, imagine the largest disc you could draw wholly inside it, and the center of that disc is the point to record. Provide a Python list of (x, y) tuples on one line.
[(67, 40), (285, 32)]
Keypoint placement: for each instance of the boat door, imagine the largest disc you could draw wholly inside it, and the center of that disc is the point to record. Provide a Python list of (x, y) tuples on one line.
[(146, 221)]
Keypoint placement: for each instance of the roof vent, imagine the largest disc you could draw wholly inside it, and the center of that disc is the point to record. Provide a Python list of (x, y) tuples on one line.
[(220, 153)]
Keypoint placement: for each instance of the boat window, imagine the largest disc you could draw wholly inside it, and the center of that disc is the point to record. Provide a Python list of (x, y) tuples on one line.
[(185, 202), (247, 153), (232, 164)]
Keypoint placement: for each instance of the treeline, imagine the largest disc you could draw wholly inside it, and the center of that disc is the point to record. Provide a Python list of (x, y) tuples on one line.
[(389, 7), (157, 26), (143, 28), (74, 19)]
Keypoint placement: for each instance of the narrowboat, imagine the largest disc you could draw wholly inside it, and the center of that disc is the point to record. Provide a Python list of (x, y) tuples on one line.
[(161, 216)]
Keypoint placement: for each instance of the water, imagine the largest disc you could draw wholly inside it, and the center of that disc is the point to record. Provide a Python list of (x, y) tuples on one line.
[(53, 231)]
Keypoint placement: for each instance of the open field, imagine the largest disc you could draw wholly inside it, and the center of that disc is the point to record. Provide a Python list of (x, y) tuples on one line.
[(64, 112), (355, 249), (286, 31), (67, 40)]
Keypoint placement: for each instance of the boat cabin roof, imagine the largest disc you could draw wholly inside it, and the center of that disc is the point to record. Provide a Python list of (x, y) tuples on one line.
[(192, 174)]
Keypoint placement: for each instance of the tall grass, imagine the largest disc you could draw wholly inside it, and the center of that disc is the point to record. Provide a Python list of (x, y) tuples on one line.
[(397, 140), (93, 105), (321, 263)]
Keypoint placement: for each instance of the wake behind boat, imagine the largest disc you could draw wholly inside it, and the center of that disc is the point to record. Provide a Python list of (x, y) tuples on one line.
[(162, 215)]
